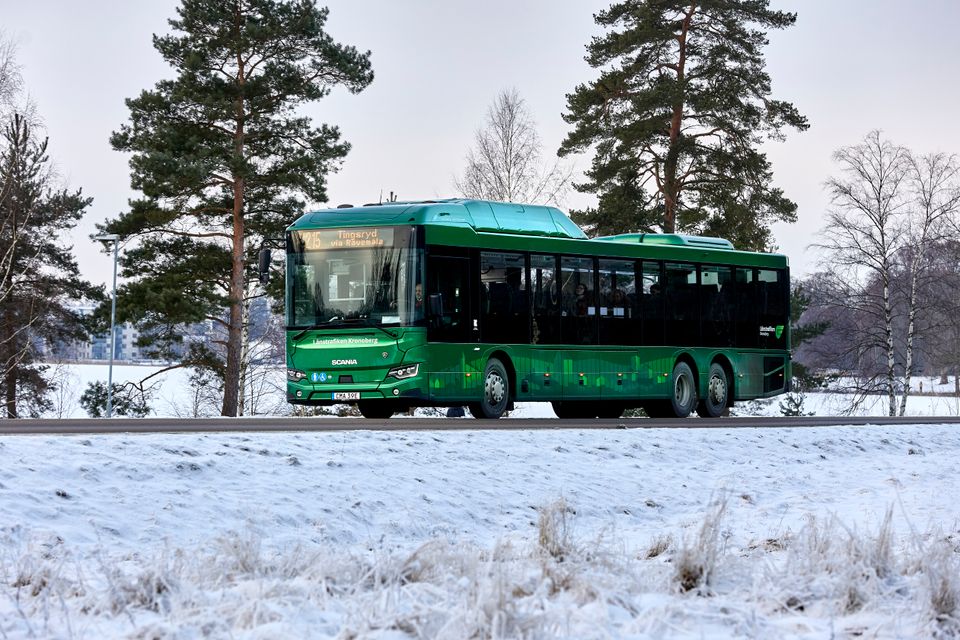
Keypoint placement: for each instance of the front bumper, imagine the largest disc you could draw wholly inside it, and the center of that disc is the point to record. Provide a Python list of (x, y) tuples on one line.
[(326, 394)]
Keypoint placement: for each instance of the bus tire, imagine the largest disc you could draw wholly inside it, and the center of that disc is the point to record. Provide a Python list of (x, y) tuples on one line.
[(683, 398), (496, 392), (375, 410), (718, 392)]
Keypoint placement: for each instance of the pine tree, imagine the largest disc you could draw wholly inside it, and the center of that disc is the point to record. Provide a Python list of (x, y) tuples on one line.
[(38, 274), (225, 161), (676, 118)]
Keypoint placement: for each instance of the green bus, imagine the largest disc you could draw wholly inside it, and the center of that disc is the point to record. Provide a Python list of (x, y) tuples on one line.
[(483, 304)]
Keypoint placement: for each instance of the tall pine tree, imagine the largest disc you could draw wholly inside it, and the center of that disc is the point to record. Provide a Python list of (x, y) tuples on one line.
[(676, 118), (224, 160), (38, 274)]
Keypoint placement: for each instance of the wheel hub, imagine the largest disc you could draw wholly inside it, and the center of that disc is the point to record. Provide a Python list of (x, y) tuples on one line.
[(494, 389), (718, 390), (681, 391)]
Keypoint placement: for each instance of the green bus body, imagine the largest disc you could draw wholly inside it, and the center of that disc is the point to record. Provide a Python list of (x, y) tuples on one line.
[(464, 302)]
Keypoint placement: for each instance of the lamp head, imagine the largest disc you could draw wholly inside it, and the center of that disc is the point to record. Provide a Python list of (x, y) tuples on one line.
[(107, 237)]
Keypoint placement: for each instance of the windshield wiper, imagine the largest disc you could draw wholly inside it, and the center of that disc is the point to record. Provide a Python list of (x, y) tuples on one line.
[(361, 322), (300, 334), (341, 321), (392, 335)]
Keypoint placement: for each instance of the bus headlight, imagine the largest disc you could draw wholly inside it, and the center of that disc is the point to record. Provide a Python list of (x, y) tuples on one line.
[(295, 375), (401, 373)]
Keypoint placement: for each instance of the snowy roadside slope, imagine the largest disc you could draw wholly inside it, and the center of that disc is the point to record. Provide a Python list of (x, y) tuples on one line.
[(173, 396), (165, 534)]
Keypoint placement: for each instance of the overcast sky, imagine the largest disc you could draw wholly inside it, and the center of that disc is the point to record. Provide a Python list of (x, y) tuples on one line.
[(850, 66)]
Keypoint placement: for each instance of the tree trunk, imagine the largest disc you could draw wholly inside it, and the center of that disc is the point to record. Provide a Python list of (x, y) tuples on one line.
[(11, 388), (242, 407), (911, 328), (231, 378), (671, 186), (9, 361), (888, 332)]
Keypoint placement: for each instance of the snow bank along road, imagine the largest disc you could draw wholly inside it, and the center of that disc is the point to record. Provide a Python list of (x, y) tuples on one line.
[(199, 425)]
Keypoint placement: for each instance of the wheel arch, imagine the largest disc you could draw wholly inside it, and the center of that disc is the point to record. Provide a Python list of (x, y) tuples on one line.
[(687, 358), (724, 362), (507, 362)]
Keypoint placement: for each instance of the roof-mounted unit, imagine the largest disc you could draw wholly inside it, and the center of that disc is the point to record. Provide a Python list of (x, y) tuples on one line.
[(670, 239)]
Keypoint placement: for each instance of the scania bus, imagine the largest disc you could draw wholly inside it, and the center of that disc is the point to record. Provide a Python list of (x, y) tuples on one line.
[(483, 304)]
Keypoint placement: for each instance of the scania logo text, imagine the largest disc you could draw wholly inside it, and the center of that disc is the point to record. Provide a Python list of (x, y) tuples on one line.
[(342, 362)]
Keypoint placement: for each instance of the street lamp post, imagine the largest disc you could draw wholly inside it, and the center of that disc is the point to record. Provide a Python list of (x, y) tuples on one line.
[(115, 239)]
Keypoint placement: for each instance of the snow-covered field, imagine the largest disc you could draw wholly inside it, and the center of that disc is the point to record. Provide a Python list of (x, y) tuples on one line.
[(172, 395), (661, 533)]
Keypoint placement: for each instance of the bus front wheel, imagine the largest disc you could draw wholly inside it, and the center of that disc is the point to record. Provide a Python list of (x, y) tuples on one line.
[(684, 397), (496, 392), (375, 410), (718, 391)]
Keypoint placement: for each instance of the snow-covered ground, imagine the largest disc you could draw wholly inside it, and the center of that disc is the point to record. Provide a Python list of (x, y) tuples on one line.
[(172, 395), (660, 533)]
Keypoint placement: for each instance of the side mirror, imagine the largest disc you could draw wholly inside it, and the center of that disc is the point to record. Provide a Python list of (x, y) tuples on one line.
[(264, 266)]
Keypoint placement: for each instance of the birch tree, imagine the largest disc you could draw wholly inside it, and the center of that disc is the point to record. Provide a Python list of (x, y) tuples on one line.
[(506, 162), (888, 208), (10, 78), (935, 197), (865, 228)]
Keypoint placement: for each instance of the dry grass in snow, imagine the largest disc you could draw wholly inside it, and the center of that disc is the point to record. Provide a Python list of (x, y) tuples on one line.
[(822, 579), (697, 533)]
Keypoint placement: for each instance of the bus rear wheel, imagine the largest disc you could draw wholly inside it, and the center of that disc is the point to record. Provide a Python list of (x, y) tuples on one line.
[(375, 410), (683, 400), (718, 392), (496, 392)]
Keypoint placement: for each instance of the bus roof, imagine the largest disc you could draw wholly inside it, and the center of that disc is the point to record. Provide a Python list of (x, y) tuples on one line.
[(475, 222), (479, 215)]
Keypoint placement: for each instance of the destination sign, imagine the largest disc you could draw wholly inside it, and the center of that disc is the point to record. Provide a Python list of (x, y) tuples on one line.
[(365, 238)]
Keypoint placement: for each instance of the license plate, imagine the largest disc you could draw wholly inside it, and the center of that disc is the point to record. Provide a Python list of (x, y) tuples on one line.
[(346, 395)]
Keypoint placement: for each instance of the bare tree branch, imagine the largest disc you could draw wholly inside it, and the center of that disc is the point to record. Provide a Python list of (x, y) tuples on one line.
[(505, 163)]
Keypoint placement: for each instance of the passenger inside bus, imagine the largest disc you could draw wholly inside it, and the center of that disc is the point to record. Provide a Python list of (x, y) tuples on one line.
[(582, 300)]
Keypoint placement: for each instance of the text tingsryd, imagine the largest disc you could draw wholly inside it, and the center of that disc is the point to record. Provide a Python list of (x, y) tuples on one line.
[(346, 239)]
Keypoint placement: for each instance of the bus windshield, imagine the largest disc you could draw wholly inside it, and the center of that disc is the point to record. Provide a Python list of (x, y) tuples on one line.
[(366, 276)]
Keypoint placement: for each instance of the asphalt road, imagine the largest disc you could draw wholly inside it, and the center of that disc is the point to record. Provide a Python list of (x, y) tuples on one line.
[(254, 424)]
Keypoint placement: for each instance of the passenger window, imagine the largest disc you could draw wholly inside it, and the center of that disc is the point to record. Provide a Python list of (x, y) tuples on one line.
[(619, 320), (547, 305), (717, 303), (682, 304), (579, 315), (745, 314), (504, 309), (652, 302), (447, 309)]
